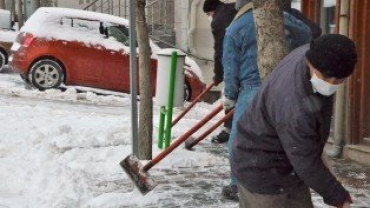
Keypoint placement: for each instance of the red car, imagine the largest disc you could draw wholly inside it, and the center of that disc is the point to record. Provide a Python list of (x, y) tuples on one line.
[(83, 48)]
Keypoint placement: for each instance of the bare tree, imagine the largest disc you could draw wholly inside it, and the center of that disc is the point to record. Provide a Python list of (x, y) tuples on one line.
[(146, 102), (2, 4), (272, 46)]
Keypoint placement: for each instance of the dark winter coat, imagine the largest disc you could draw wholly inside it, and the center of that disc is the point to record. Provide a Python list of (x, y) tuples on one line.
[(315, 29), (281, 136), (224, 15)]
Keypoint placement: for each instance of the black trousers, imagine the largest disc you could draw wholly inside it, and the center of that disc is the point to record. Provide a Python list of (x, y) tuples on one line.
[(294, 197)]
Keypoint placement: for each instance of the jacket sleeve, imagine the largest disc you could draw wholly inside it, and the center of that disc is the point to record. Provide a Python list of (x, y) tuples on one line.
[(218, 36), (303, 148), (299, 32), (231, 63)]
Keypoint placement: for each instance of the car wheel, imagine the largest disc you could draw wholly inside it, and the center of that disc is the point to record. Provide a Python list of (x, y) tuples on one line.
[(187, 93), (2, 59), (46, 74)]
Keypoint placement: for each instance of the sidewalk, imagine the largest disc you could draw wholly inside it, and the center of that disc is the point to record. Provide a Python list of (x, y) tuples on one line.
[(201, 186)]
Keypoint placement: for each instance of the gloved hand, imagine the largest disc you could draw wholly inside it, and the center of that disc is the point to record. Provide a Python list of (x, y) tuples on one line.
[(228, 103), (346, 205), (217, 80)]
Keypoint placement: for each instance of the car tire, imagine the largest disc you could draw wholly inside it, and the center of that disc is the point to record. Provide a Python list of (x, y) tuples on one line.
[(187, 93), (3, 61), (46, 74)]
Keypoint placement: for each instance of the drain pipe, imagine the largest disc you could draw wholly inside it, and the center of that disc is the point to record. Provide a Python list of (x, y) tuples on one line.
[(193, 26), (340, 101)]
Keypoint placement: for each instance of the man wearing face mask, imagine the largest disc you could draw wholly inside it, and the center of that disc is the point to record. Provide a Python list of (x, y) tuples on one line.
[(280, 138), (220, 16)]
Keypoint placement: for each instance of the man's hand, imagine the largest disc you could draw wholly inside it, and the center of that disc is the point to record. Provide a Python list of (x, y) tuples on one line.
[(228, 104), (346, 205), (217, 80)]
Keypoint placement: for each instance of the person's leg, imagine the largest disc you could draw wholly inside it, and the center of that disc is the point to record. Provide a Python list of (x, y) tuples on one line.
[(299, 197), (248, 199), (231, 191), (244, 98)]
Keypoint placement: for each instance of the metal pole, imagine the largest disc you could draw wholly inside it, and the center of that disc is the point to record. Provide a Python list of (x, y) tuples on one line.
[(119, 8), (171, 93), (133, 79)]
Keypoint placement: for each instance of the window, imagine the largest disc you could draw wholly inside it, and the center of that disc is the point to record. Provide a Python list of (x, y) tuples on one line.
[(120, 33)]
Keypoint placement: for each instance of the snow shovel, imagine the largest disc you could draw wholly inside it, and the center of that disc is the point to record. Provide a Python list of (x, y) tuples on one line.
[(205, 91), (139, 174), (192, 141)]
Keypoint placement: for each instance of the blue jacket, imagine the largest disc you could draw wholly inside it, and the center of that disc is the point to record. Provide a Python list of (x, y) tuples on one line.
[(240, 51)]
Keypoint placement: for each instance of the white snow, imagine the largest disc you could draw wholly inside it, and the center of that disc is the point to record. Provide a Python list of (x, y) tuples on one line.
[(8, 36), (57, 147)]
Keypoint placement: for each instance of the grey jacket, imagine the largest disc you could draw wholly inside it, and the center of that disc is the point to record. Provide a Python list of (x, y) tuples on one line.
[(281, 136)]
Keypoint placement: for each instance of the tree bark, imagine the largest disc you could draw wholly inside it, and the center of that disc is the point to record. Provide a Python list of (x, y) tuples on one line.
[(2, 4), (272, 46), (146, 101)]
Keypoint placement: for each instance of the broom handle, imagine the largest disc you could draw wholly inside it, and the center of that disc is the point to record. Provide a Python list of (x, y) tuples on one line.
[(210, 130), (174, 122), (182, 139)]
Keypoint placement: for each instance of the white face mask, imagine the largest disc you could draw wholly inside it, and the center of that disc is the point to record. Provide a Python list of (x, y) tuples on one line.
[(210, 18), (323, 87)]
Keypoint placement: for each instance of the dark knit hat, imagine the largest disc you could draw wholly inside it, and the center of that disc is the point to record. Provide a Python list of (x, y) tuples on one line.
[(210, 5), (333, 55)]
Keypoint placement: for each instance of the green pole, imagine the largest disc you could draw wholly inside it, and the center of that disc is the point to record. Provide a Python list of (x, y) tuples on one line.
[(171, 93), (162, 115)]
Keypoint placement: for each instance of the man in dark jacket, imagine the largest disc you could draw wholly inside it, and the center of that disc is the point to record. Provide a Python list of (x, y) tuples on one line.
[(276, 154), (221, 15)]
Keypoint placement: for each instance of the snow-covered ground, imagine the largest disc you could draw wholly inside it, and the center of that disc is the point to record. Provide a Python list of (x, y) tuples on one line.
[(62, 150)]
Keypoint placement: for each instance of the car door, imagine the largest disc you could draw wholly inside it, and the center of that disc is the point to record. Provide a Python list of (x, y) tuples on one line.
[(117, 61), (84, 52)]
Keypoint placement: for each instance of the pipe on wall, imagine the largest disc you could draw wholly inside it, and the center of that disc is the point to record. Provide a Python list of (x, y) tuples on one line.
[(193, 26), (340, 97)]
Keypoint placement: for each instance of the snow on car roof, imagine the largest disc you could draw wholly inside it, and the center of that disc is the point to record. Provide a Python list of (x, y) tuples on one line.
[(54, 13)]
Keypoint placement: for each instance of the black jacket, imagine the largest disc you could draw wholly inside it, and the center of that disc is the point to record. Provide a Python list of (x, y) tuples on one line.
[(281, 136), (224, 15), (315, 29)]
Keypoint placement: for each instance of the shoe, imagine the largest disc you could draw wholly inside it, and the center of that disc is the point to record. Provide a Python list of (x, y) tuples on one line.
[(230, 192), (222, 137)]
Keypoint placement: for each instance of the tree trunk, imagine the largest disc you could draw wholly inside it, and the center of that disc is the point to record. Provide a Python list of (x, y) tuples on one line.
[(2, 4), (19, 13), (146, 101), (272, 46)]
